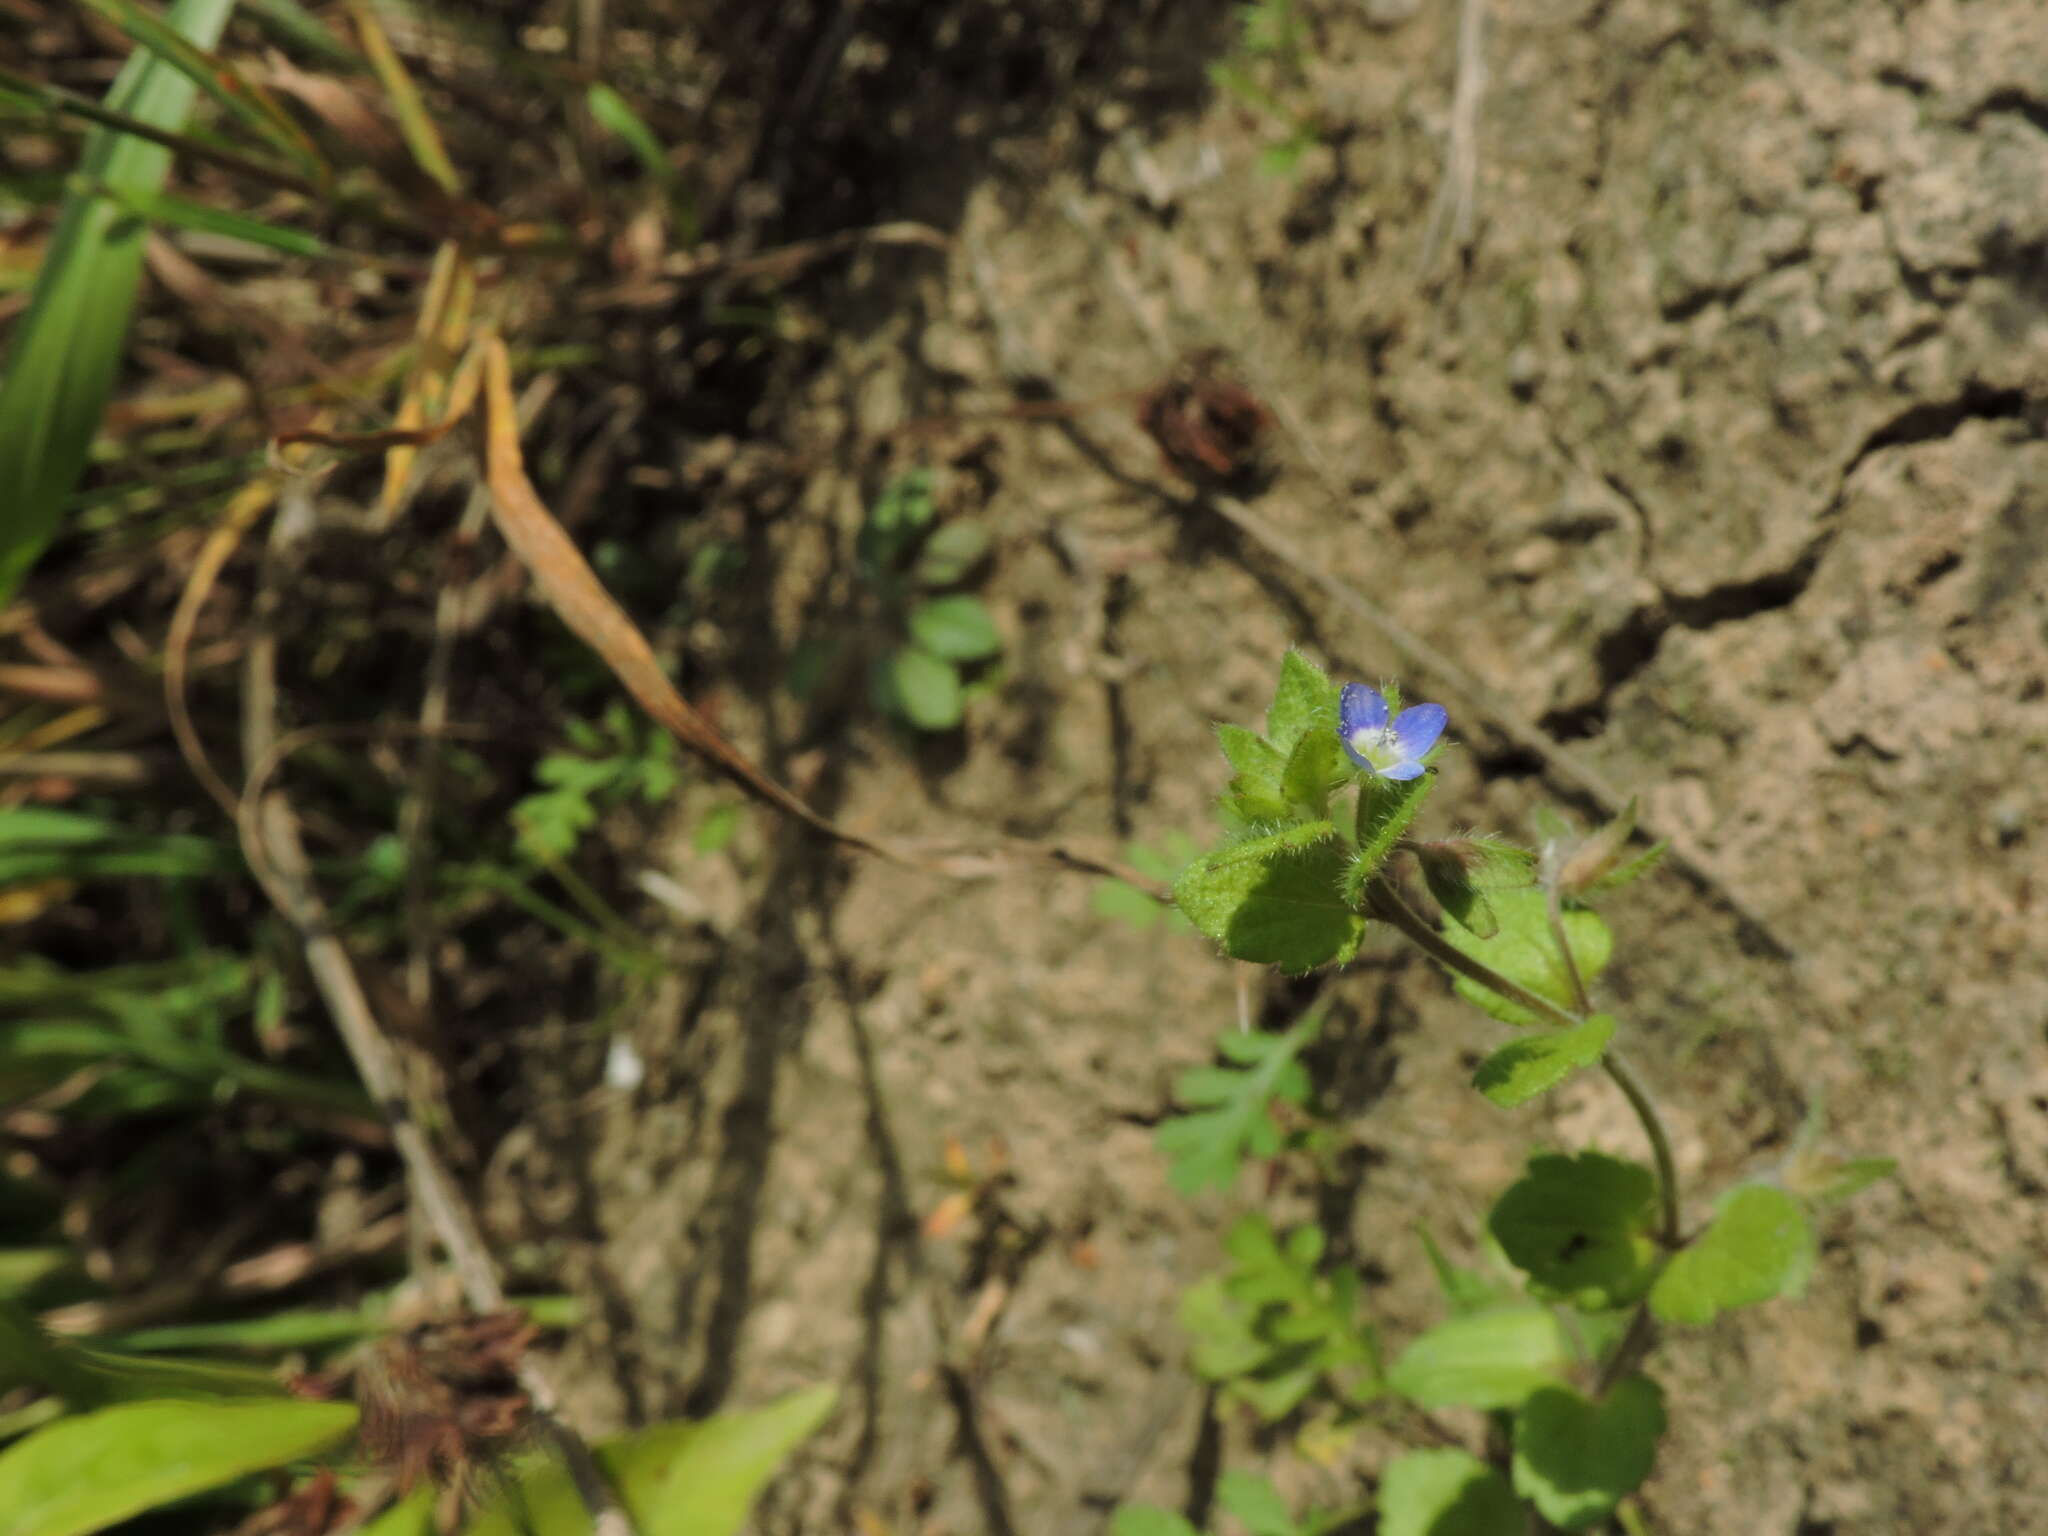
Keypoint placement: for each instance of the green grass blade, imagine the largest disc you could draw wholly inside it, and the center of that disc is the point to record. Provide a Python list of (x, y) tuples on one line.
[(613, 113), (65, 354), (292, 23), (84, 1474), (415, 123), (214, 75), (182, 213)]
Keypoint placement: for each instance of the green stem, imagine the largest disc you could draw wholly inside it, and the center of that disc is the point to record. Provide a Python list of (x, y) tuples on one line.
[(1553, 908), (1639, 1100), (1384, 902)]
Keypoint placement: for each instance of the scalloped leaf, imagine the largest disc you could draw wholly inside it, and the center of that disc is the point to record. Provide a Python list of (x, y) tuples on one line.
[(1575, 1460), (1579, 1227)]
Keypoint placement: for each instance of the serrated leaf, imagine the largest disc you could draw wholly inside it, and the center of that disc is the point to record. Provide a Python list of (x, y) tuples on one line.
[(1224, 1347), (1524, 951), (1314, 768), (957, 628), (950, 553), (1304, 700), (925, 688), (1446, 1493), (1385, 808), (1461, 871), (1484, 1360), (1275, 899), (1523, 1068), (1579, 1227), (1759, 1246), (1231, 1119), (1282, 1323), (86, 1473), (1575, 1460)]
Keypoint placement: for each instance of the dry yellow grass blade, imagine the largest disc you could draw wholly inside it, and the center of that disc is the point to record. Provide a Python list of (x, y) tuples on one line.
[(439, 336), (580, 599)]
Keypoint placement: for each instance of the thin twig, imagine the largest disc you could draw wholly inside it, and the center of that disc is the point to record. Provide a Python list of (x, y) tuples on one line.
[(1455, 192), (250, 503), (123, 768), (451, 609), (271, 840)]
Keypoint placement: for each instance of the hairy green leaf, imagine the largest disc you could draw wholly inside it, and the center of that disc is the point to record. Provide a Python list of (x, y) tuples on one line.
[(1275, 899), (1535, 1063), (1385, 808), (1314, 768), (1305, 700), (1524, 951)]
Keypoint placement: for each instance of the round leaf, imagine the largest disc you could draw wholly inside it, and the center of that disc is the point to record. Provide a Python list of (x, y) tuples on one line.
[(1759, 1246), (1575, 1460), (1579, 1226), (926, 689), (951, 553), (957, 628), (1447, 1493)]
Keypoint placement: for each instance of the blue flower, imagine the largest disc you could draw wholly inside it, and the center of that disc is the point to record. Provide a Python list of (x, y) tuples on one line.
[(1392, 750)]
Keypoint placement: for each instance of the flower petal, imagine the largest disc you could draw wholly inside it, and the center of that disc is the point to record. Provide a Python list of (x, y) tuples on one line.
[(1417, 728), (1360, 708), (1408, 770)]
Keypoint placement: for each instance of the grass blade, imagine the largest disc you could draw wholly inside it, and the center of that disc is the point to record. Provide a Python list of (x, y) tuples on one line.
[(421, 136), (251, 104), (65, 355)]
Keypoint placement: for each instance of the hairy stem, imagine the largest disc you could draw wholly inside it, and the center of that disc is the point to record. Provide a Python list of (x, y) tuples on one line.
[(1384, 902)]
